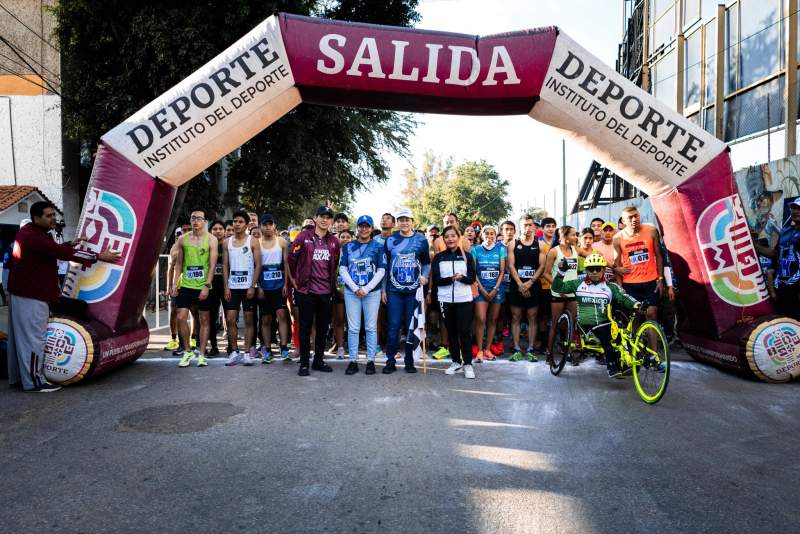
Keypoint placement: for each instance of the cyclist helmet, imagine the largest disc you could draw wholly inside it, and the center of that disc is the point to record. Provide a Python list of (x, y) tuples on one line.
[(595, 260)]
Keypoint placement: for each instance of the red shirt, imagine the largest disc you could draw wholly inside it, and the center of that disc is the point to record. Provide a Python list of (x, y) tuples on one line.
[(34, 270), (313, 261)]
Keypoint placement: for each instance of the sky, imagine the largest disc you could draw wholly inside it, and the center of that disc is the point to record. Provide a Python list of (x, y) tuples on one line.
[(524, 152)]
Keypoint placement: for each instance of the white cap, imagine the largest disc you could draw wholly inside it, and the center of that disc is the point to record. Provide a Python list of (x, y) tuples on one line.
[(404, 212), (23, 222)]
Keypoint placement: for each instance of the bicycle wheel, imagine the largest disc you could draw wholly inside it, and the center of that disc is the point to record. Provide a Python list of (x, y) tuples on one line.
[(651, 362), (562, 344)]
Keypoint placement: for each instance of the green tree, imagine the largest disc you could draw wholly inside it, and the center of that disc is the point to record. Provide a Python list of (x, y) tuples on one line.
[(472, 190), (535, 211), (118, 55)]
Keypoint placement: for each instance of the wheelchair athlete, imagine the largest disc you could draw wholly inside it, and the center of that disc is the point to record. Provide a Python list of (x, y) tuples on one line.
[(594, 295)]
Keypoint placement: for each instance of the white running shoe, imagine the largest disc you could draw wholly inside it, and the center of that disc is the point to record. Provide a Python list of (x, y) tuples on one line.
[(247, 359), (234, 358), (454, 368), (469, 372)]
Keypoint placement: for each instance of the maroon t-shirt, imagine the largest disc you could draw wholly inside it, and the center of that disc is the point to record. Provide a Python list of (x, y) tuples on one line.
[(319, 282)]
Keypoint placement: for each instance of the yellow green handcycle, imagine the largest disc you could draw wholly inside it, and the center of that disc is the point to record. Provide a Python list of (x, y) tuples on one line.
[(642, 350)]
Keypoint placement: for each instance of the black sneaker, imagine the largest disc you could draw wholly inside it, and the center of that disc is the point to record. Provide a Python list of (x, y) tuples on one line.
[(322, 367), (303, 371), (389, 368), (47, 387), (411, 369), (370, 368), (352, 368), (177, 352), (613, 371), (213, 351)]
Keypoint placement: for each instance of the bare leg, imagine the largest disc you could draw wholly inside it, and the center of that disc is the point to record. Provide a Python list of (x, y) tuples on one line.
[(480, 322), (266, 333), (516, 317), (556, 309), (182, 320), (249, 329), (283, 326), (205, 330), (491, 327), (533, 333), (231, 318)]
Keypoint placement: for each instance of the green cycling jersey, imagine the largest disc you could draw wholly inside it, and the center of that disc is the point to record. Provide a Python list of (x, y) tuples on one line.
[(593, 298)]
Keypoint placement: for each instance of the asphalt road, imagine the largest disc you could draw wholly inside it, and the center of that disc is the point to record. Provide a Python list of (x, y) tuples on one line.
[(154, 448)]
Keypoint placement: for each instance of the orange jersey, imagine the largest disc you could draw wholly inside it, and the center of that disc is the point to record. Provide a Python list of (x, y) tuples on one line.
[(638, 253)]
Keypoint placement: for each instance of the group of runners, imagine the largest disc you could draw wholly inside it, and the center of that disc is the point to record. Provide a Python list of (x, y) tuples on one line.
[(483, 284)]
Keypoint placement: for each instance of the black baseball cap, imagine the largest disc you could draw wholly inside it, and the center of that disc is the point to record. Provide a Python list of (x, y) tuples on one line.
[(325, 210), (267, 218)]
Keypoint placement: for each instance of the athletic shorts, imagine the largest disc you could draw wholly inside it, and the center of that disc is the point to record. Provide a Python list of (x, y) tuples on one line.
[(188, 298), (556, 300), (644, 292), (516, 299), (499, 298), (239, 298), (273, 301)]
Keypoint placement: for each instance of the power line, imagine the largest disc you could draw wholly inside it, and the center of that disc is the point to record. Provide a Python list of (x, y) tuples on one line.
[(16, 63), (29, 28), (19, 50), (51, 88), (22, 76)]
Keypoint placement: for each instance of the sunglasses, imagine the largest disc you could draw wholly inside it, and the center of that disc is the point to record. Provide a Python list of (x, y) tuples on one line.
[(594, 269)]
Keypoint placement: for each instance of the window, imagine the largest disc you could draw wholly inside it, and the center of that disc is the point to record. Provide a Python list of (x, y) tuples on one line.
[(710, 53), (659, 6), (747, 113), (731, 48), (663, 29), (664, 79), (708, 120), (691, 12), (708, 9), (759, 48), (693, 64)]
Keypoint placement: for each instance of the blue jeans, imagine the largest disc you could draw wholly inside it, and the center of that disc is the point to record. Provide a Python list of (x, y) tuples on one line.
[(355, 307), (399, 310)]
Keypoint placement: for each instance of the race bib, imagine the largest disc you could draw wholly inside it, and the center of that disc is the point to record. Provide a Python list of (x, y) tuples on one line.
[(489, 275), (239, 277), (526, 272), (269, 276), (195, 273), (640, 256)]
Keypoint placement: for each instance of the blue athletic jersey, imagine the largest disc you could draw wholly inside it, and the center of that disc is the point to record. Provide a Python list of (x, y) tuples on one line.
[(272, 276), (487, 264), (406, 258), (362, 261), (788, 265)]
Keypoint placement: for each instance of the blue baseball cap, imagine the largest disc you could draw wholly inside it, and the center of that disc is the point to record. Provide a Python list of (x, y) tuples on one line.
[(365, 219)]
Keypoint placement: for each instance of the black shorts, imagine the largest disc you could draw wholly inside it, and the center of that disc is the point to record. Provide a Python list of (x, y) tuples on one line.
[(516, 299), (239, 298), (556, 300), (273, 301), (644, 292), (188, 298)]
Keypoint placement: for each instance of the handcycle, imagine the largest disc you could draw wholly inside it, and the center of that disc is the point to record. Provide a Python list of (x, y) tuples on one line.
[(643, 350)]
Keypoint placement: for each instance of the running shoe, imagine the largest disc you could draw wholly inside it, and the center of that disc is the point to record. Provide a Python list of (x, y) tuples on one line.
[(370, 368), (378, 351), (46, 387), (454, 368), (474, 351), (201, 360), (531, 357), (285, 356), (488, 355), (249, 357), (178, 352), (506, 332), (469, 372), (477, 355), (172, 344), (234, 359), (441, 354), (516, 357), (193, 342), (497, 349), (186, 359), (266, 356)]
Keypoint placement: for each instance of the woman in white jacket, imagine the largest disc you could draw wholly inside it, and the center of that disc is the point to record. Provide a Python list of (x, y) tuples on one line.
[(454, 273)]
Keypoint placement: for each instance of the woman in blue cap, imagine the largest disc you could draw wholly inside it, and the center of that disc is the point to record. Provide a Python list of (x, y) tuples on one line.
[(362, 268)]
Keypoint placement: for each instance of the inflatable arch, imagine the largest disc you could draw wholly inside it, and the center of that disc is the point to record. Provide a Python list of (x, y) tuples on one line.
[(543, 73)]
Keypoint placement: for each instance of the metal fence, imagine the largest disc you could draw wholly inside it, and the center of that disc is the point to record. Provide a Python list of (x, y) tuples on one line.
[(158, 306)]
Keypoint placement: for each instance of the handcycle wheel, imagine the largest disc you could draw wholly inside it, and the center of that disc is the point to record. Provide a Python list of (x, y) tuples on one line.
[(562, 343), (651, 362)]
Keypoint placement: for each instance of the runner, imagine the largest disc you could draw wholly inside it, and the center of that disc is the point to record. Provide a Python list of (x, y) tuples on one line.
[(606, 247), (217, 289), (228, 228), (362, 268), (453, 274), (193, 277), (274, 288), (508, 231), (787, 272), (568, 237), (173, 344), (548, 240), (594, 295), (526, 261), (339, 317), (490, 266), (241, 272), (585, 247), (408, 264), (639, 261), (312, 261)]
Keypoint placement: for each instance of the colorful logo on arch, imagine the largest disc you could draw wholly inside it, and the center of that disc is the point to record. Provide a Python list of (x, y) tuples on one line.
[(730, 258), (108, 222)]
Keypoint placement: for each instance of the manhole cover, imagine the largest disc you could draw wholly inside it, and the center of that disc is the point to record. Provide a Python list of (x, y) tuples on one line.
[(178, 418)]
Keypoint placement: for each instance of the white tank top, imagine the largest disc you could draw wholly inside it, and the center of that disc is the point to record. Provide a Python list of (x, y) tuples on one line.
[(240, 265), (272, 255), (572, 273)]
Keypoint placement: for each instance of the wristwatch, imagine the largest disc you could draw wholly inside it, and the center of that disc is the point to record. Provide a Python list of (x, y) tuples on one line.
[(207, 285)]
